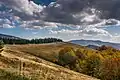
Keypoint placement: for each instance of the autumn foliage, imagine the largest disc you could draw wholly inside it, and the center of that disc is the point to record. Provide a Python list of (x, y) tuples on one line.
[(103, 63)]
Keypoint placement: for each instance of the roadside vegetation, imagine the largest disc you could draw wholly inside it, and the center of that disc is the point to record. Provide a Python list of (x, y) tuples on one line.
[(103, 63)]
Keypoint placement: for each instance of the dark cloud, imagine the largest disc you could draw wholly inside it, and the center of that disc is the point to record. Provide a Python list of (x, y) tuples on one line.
[(63, 11), (109, 8)]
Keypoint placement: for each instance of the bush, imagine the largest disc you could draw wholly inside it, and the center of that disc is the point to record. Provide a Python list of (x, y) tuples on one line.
[(67, 57), (1, 44)]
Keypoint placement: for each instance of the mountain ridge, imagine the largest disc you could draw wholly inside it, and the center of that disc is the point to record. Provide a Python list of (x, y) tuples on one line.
[(95, 43), (8, 36)]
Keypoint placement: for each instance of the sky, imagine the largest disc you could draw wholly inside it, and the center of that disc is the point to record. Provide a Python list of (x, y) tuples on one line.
[(64, 19)]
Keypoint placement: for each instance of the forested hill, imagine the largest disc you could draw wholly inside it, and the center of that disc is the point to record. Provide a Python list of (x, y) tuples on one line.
[(8, 36), (8, 39)]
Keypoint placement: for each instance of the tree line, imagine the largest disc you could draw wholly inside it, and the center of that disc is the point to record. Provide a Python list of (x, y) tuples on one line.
[(32, 41)]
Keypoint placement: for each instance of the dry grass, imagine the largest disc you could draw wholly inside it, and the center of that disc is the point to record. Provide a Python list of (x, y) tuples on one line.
[(46, 51), (26, 60)]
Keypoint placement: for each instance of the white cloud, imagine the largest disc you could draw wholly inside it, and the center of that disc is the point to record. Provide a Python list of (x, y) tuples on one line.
[(38, 24), (93, 32), (6, 23), (7, 26), (23, 6), (89, 34)]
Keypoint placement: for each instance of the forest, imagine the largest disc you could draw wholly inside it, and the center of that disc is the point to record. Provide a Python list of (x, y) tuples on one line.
[(32, 41), (102, 63)]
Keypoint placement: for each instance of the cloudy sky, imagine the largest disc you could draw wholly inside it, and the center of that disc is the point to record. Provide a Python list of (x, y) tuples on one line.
[(65, 19)]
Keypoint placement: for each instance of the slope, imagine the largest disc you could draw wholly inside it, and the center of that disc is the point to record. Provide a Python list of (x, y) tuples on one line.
[(24, 60)]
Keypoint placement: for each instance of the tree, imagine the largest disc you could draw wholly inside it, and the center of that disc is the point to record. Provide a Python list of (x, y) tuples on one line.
[(110, 69), (67, 57), (103, 47), (80, 54), (32, 41), (92, 65)]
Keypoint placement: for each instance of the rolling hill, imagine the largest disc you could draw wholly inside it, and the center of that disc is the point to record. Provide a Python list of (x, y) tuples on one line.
[(35, 62), (8, 36)]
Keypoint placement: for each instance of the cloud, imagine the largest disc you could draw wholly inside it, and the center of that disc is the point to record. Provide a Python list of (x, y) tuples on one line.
[(59, 15), (91, 32), (63, 12), (22, 13), (7, 18), (80, 18), (79, 12), (6, 23), (38, 24), (25, 9), (87, 33)]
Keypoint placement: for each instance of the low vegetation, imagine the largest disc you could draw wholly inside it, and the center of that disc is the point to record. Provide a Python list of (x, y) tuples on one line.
[(4, 75), (103, 63), (1, 44)]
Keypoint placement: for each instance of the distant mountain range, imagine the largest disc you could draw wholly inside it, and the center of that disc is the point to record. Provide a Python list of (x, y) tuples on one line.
[(89, 43), (8, 36), (95, 43)]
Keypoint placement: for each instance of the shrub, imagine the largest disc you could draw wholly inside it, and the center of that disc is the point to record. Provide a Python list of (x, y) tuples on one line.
[(4, 75), (67, 56), (1, 44)]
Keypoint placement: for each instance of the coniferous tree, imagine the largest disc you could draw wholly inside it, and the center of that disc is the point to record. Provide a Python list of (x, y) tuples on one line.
[(32, 41)]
